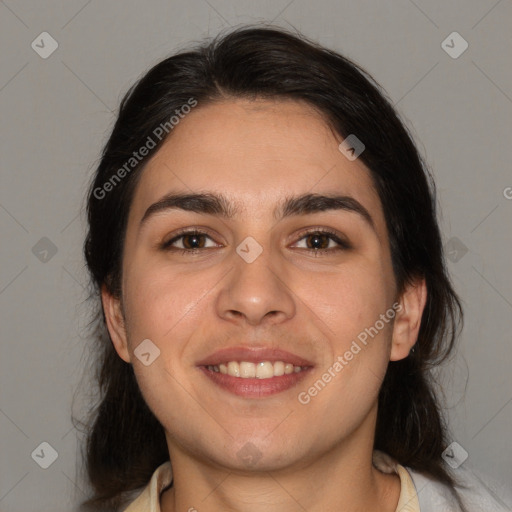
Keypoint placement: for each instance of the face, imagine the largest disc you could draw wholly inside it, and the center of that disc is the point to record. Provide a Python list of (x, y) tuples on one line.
[(309, 280)]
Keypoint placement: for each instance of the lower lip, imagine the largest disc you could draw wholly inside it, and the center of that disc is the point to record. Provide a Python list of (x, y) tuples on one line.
[(252, 387)]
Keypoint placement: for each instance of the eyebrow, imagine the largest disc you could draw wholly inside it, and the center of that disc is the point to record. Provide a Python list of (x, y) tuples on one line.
[(218, 205)]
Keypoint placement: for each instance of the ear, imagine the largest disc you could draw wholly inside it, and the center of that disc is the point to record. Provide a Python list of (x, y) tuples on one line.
[(408, 319), (115, 323)]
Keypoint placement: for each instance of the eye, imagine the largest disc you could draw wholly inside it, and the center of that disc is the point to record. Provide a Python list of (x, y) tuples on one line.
[(319, 241), (188, 241)]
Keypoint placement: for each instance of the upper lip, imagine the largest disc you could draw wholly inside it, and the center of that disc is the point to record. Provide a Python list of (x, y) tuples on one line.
[(253, 355)]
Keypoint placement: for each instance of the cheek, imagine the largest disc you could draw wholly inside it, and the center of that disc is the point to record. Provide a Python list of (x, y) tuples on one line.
[(165, 307), (349, 300), (160, 302), (350, 304)]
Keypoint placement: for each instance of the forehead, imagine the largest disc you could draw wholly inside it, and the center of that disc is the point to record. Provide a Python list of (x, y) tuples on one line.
[(254, 152)]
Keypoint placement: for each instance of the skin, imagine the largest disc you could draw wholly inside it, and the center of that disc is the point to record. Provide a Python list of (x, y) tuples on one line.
[(317, 456)]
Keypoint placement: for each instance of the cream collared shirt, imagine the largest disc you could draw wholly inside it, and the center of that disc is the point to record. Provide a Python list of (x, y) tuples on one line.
[(149, 499)]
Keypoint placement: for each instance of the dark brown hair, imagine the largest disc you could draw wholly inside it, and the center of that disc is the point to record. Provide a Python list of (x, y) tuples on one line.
[(125, 442)]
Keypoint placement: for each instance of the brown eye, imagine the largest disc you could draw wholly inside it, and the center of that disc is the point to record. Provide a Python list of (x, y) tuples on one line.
[(323, 241), (193, 241), (320, 241), (188, 242)]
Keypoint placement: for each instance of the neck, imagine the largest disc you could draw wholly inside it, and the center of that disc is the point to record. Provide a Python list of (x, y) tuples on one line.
[(342, 479)]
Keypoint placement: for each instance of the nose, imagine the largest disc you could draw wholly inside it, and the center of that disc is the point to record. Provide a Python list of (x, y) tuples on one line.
[(255, 293)]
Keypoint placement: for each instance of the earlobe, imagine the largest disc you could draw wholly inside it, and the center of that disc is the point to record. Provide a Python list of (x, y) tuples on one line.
[(408, 319), (115, 323)]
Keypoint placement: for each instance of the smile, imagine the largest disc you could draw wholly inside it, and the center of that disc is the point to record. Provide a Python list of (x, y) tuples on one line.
[(261, 370)]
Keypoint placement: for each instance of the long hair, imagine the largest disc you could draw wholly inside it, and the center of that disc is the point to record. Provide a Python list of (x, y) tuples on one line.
[(125, 443)]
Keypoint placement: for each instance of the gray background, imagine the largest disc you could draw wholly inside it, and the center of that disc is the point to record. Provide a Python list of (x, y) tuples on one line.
[(57, 112)]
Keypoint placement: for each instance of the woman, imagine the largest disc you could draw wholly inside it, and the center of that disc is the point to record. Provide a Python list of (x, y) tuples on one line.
[(263, 236)]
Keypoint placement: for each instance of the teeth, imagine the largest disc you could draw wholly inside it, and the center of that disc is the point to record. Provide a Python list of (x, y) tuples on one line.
[(278, 368), (264, 370), (247, 370), (234, 369), (261, 370)]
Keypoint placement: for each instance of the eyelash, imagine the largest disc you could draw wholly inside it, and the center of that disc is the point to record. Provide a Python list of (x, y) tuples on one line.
[(342, 244)]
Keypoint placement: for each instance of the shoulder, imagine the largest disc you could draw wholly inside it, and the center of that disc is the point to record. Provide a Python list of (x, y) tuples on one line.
[(478, 492), (149, 497)]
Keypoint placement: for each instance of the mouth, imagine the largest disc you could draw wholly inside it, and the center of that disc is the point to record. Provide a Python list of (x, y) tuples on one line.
[(254, 372), (260, 370)]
